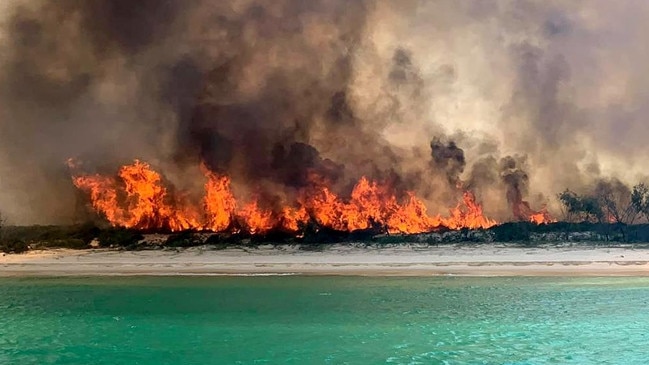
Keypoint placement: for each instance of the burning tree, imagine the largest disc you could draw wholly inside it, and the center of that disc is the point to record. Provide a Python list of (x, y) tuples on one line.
[(616, 201), (609, 201)]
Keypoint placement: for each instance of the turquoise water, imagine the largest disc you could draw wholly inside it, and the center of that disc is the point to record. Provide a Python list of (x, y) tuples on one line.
[(324, 320)]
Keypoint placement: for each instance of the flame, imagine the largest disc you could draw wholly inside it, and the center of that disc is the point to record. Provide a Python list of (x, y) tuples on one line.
[(470, 217), (542, 217), (219, 202), (412, 218), (255, 219), (524, 212), (610, 218), (137, 198), (292, 219), (103, 195)]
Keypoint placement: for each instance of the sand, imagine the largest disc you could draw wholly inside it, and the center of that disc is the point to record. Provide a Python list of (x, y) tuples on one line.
[(401, 260)]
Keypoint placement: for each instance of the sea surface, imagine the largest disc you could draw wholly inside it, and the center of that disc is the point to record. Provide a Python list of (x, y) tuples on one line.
[(324, 320)]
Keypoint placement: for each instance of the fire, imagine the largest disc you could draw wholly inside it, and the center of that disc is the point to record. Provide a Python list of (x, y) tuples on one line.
[(369, 204), (542, 217), (471, 217), (293, 218), (610, 218), (220, 204), (255, 219), (412, 218), (137, 198), (525, 212)]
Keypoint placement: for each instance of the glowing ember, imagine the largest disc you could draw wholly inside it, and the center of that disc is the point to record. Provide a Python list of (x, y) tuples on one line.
[(137, 198), (610, 218)]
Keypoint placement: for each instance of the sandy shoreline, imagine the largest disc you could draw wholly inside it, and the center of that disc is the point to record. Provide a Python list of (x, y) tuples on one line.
[(407, 260)]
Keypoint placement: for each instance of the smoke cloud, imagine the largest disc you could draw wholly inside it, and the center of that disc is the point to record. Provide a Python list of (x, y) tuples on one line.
[(516, 100)]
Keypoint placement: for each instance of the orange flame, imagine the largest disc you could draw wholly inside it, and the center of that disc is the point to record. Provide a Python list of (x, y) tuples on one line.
[(220, 204), (525, 212), (412, 218), (610, 218), (293, 218), (542, 217), (471, 217), (137, 198), (255, 219)]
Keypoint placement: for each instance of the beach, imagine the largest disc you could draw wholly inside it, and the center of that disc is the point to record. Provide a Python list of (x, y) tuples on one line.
[(397, 260)]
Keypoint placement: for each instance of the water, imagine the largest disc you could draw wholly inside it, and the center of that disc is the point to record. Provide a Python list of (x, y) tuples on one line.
[(324, 320)]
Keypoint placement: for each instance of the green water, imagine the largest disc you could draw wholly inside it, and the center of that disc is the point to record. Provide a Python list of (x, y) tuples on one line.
[(324, 320)]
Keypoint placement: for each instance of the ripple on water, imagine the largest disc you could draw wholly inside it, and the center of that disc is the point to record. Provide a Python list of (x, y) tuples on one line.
[(324, 320)]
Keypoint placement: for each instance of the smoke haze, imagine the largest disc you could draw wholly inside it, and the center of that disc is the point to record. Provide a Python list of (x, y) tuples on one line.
[(515, 100)]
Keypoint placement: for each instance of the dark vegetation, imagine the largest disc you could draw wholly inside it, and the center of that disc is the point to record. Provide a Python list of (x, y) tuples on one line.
[(20, 239), (17, 239), (605, 215), (119, 237)]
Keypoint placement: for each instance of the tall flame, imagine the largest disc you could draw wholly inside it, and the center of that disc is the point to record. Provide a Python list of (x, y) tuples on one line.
[(137, 198), (220, 205)]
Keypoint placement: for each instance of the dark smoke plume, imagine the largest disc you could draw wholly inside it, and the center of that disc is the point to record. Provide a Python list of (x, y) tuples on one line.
[(270, 92), (448, 158)]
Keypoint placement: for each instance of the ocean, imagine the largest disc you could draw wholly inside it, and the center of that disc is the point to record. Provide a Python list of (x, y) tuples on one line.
[(324, 320)]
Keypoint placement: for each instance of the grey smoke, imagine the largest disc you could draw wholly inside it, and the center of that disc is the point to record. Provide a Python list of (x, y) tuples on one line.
[(267, 91)]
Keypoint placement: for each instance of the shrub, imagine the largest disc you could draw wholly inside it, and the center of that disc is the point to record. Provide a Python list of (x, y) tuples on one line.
[(14, 246), (86, 232), (119, 237), (512, 232), (71, 243), (183, 239)]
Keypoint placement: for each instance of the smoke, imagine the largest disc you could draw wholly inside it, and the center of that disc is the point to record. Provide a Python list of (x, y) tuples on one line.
[(516, 100), (448, 158), (517, 184)]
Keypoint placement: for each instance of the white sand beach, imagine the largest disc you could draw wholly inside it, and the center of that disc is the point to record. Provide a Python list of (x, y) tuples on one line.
[(399, 260)]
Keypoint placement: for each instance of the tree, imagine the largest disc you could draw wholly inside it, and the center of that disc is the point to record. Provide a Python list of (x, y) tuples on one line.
[(640, 199), (569, 205), (616, 201), (7, 244), (580, 208)]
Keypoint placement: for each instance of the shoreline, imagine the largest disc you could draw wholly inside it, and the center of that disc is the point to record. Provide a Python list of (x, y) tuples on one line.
[(341, 260)]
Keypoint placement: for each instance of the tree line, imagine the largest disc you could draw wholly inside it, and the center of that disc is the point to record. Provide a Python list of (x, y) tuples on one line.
[(608, 202)]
